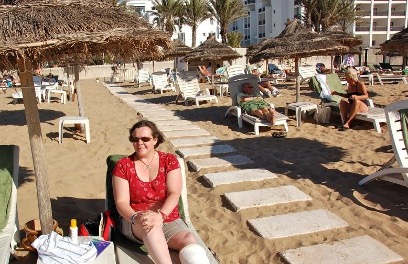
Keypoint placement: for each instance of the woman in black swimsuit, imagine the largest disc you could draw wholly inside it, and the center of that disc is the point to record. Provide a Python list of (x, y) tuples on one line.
[(352, 103)]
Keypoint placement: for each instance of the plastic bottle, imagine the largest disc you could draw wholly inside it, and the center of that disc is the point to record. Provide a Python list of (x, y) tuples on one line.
[(73, 231)]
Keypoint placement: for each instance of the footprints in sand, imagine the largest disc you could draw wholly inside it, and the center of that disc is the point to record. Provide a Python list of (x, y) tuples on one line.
[(192, 142)]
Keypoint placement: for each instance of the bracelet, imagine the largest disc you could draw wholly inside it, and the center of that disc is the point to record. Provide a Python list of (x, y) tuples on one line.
[(132, 218), (164, 216)]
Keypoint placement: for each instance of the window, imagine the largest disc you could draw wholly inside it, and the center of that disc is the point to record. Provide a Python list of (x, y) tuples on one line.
[(140, 10), (204, 34), (211, 21), (181, 37), (373, 43)]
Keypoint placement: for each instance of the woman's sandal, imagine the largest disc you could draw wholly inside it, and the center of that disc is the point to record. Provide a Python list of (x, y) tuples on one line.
[(279, 134), (343, 128)]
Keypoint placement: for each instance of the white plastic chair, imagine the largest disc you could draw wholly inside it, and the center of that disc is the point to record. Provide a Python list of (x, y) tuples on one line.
[(161, 83), (189, 89), (143, 77)]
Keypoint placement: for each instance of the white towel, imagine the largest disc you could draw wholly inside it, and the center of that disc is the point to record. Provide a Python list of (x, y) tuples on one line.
[(55, 249), (325, 93)]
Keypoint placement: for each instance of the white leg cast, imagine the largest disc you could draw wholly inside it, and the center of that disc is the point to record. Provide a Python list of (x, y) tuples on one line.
[(193, 254)]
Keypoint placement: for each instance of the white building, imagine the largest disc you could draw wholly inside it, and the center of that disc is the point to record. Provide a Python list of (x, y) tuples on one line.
[(381, 20), (266, 19), (209, 26)]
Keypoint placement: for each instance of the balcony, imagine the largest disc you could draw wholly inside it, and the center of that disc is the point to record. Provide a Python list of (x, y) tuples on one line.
[(380, 13), (249, 2), (396, 28), (397, 13)]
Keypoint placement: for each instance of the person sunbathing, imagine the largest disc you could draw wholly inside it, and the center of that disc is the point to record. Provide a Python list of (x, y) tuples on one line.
[(253, 104), (352, 103), (204, 70)]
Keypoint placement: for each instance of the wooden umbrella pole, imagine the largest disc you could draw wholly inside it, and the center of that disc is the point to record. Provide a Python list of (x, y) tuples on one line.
[(297, 79), (36, 143)]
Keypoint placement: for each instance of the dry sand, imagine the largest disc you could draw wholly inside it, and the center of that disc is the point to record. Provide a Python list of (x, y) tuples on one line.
[(319, 160)]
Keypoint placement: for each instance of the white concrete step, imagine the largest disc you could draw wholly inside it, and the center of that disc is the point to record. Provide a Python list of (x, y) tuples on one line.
[(219, 178), (298, 223), (217, 162), (186, 133), (163, 123), (185, 142), (161, 118), (206, 150), (158, 112), (357, 250), (176, 128), (266, 197)]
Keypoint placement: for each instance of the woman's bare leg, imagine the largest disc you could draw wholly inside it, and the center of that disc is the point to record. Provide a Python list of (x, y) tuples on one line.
[(155, 242), (356, 106), (344, 109)]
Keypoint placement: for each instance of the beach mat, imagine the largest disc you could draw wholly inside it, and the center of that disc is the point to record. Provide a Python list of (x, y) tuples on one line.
[(357, 250), (185, 142), (226, 161), (205, 150), (219, 178), (299, 223), (266, 197)]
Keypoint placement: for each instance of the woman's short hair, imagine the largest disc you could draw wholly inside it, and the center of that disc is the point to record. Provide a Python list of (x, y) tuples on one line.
[(352, 73), (156, 133)]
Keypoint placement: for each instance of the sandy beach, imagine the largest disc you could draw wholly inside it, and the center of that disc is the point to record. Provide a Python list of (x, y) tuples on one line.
[(324, 163)]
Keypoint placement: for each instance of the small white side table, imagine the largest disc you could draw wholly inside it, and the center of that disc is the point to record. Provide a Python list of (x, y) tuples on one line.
[(300, 107)]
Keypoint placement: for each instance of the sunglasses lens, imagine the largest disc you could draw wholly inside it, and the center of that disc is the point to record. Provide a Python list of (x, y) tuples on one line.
[(145, 139), (136, 139)]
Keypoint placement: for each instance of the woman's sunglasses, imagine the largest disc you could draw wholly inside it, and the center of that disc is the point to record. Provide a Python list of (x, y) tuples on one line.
[(136, 139)]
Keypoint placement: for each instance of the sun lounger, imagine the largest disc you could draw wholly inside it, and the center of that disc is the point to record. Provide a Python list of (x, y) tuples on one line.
[(306, 72), (235, 87), (9, 169), (128, 252), (396, 115), (392, 77), (324, 84)]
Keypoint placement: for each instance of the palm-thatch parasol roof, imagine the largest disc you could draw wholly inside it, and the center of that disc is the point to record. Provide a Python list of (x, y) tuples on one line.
[(211, 51), (296, 42), (397, 43), (44, 30), (55, 30), (177, 49)]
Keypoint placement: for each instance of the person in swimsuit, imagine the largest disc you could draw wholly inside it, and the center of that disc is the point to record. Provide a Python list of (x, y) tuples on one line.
[(352, 103)]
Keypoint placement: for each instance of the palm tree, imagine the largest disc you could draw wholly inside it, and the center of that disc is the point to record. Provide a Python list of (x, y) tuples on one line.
[(234, 39), (196, 11), (349, 14), (167, 12), (322, 14), (226, 12)]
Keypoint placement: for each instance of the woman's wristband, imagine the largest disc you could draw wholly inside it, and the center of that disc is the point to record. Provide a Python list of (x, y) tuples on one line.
[(132, 218), (164, 216)]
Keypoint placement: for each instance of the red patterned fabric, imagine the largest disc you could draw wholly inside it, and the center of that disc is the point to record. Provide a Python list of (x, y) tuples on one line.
[(148, 195)]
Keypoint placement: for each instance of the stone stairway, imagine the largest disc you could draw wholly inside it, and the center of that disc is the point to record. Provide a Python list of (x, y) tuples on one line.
[(192, 141)]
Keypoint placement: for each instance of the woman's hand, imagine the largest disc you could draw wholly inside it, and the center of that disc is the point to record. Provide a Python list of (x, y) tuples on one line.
[(150, 219)]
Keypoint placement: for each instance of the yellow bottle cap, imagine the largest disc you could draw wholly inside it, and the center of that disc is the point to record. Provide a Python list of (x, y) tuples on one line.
[(73, 223)]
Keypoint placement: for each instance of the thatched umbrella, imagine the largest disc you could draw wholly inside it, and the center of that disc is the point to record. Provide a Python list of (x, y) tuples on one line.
[(49, 31), (296, 42), (397, 43), (212, 51), (178, 49)]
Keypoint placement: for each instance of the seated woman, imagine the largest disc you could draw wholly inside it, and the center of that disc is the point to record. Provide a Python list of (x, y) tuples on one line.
[(204, 70), (254, 105), (352, 103), (147, 186)]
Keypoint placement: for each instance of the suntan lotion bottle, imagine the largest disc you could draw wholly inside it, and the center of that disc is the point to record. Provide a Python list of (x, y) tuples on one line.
[(73, 231)]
